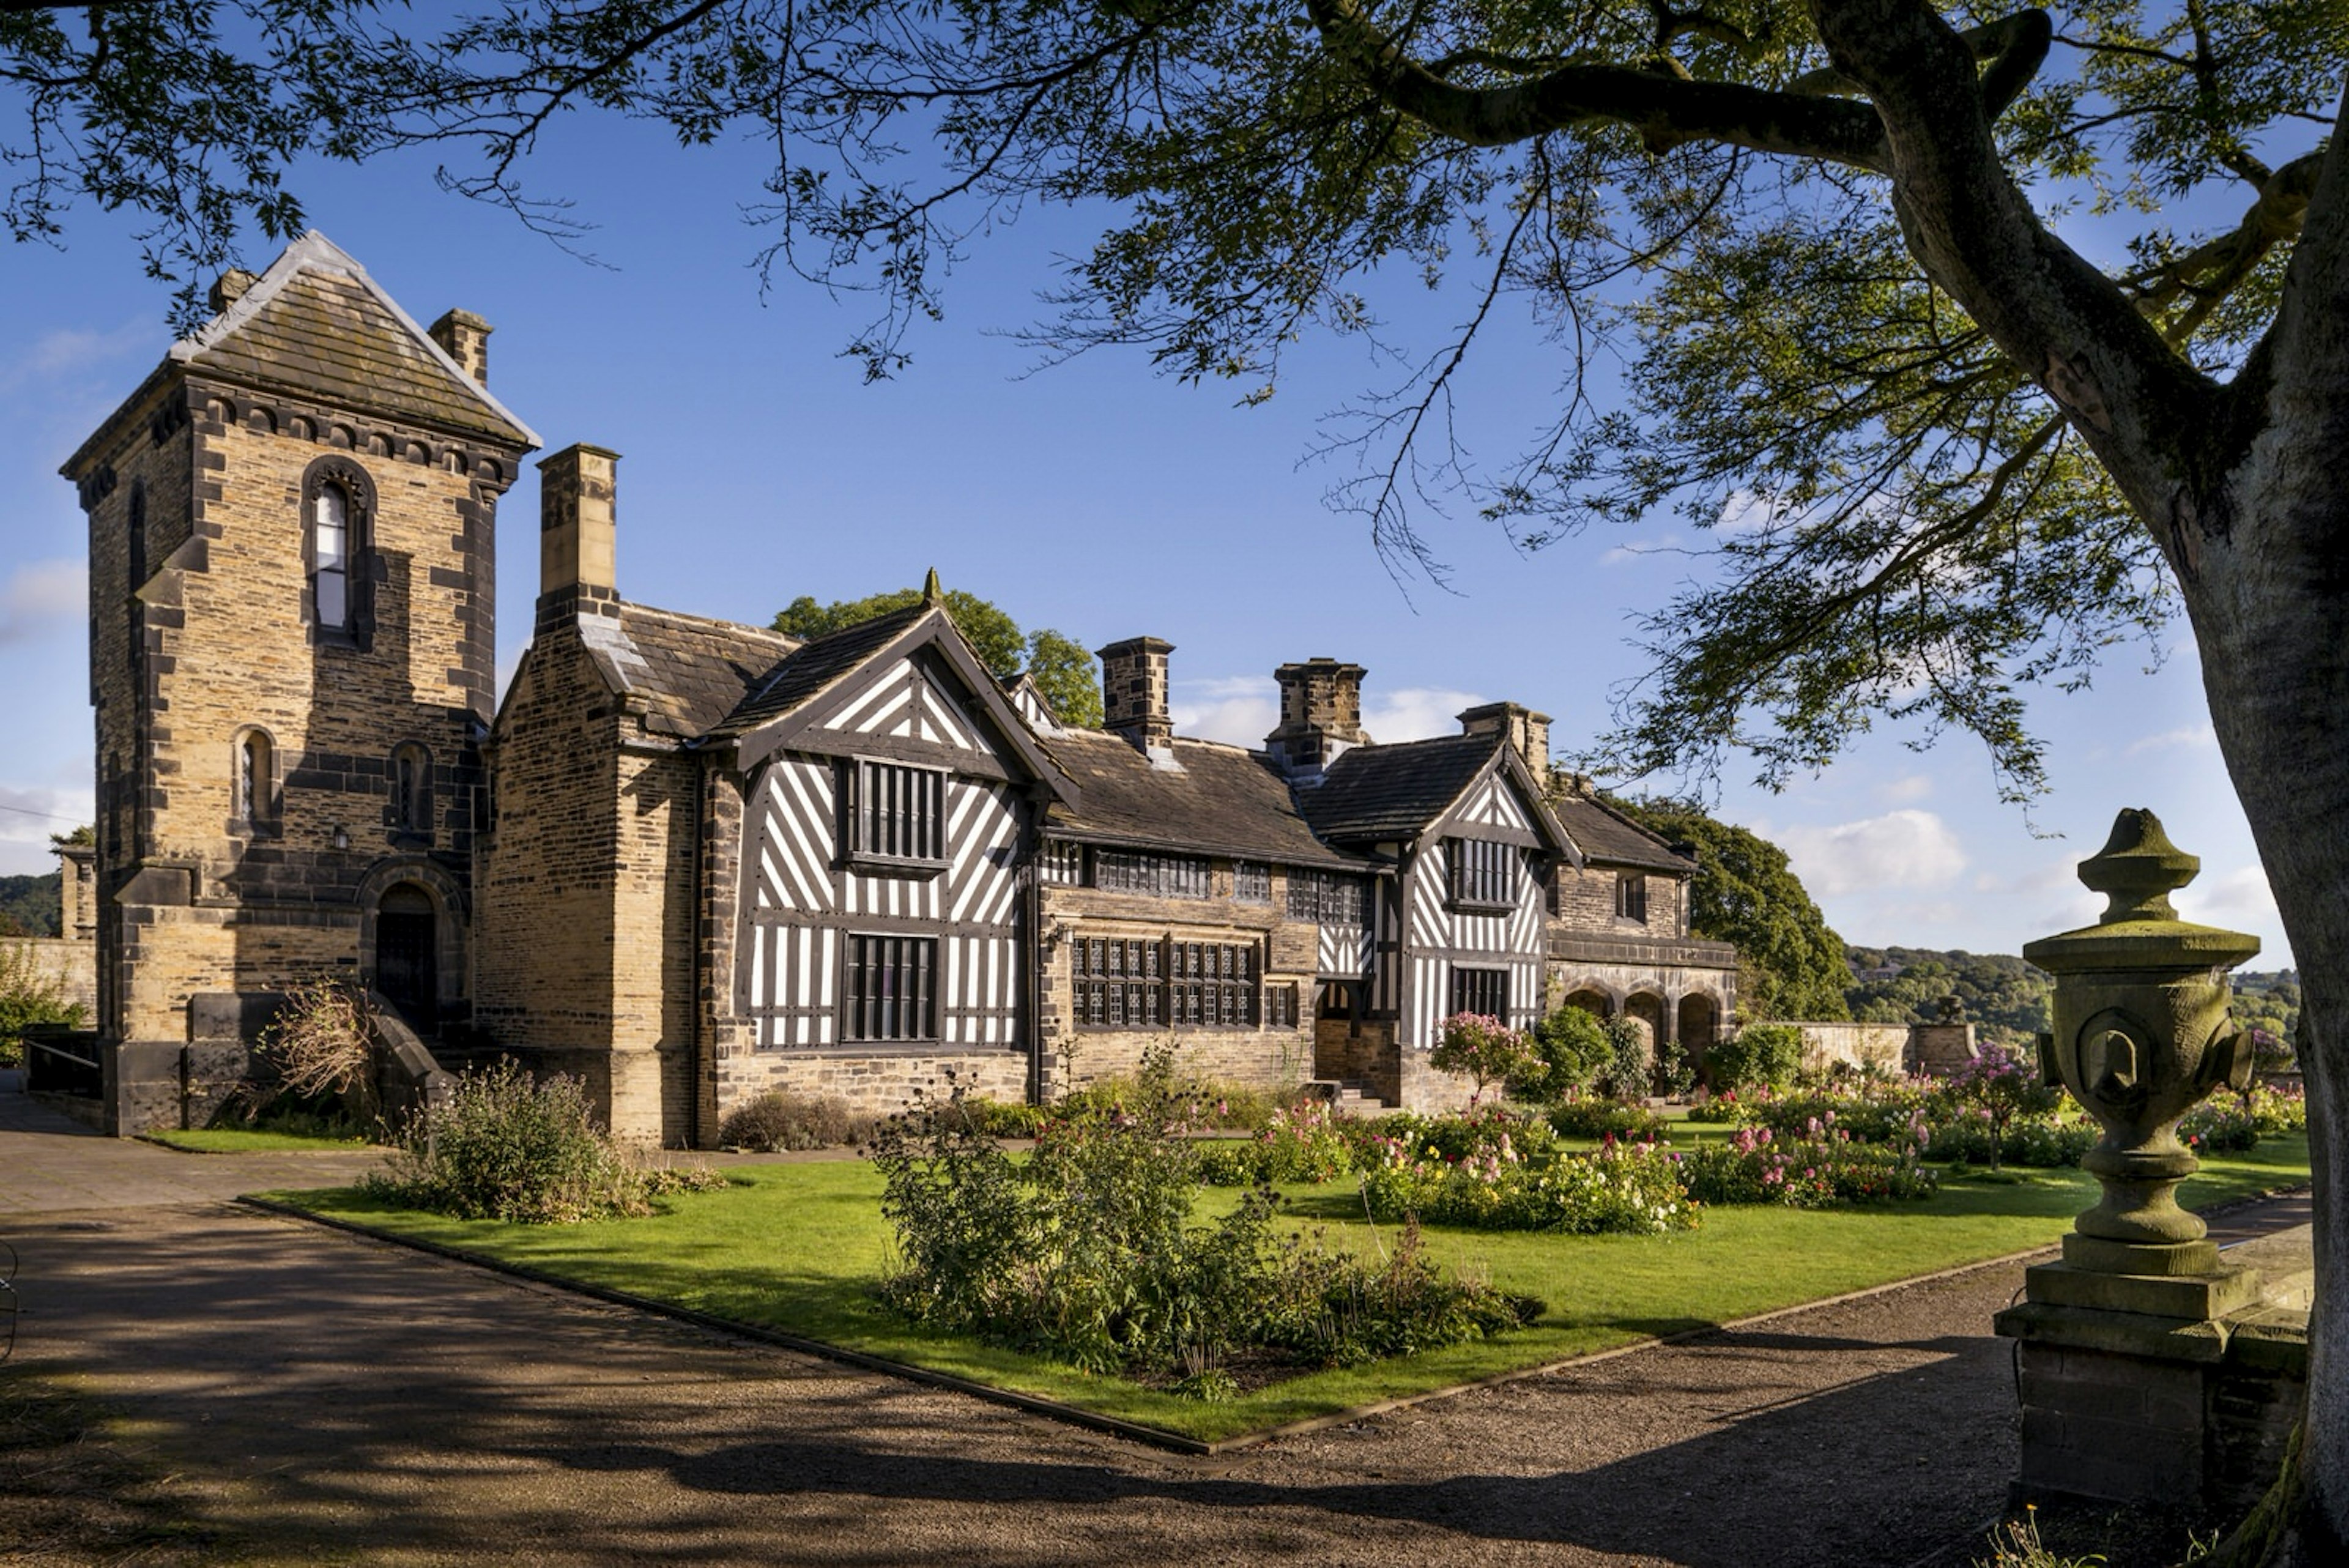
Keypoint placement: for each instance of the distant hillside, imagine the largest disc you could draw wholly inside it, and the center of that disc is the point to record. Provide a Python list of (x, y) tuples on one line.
[(28, 906), (2007, 998)]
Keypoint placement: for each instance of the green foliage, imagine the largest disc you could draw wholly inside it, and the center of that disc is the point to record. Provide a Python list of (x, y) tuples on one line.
[(1744, 892), (1301, 1143), (1826, 1167), (1088, 1253), (2000, 1086), (1629, 1068), (1760, 1055), (1482, 1049), (29, 906), (29, 996), (2005, 998), (777, 1121), (1604, 1119), (1064, 672), (1571, 1048), (507, 1147), (1626, 1189), (2268, 1004)]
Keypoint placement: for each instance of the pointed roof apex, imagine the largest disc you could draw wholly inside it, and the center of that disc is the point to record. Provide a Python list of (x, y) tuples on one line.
[(931, 593), (406, 369)]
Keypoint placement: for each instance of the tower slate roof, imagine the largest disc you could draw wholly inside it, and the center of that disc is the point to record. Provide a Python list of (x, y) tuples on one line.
[(314, 324)]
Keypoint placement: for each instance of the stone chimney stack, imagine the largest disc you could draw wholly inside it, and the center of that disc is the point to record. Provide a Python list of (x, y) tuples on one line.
[(465, 338), (1321, 716), (1529, 732), (229, 287), (576, 512), (1133, 693)]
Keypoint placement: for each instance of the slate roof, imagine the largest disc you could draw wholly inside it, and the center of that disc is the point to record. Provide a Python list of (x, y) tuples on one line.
[(816, 665), (316, 324), (1392, 792), (1219, 800), (1609, 839), (688, 672)]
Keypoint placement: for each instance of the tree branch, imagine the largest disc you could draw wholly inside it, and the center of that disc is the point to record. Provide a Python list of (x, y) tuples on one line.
[(1664, 110)]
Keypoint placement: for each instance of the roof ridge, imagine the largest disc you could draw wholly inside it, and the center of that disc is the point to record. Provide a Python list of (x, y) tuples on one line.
[(768, 632)]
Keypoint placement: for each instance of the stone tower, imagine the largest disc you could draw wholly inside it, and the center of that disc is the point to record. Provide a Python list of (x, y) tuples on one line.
[(292, 659)]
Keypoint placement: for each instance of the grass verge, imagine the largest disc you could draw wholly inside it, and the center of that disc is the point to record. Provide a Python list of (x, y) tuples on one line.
[(252, 1140), (794, 1248)]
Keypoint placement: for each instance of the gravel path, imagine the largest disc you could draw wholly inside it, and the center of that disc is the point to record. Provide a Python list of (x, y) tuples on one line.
[(322, 1396)]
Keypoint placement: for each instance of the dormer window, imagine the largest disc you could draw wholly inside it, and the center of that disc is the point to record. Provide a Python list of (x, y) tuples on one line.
[(330, 557)]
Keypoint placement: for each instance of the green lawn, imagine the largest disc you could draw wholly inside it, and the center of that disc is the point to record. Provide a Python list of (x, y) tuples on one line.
[(251, 1140), (794, 1247)]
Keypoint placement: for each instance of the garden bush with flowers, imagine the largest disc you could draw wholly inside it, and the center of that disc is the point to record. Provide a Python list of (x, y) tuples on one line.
[(1621, 1188), (1823, 1166), (1303, 1142), (2233, 1123)]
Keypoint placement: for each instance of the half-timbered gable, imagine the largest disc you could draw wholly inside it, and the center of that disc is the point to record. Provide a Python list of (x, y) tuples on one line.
[(1473, 845), (889, 792)]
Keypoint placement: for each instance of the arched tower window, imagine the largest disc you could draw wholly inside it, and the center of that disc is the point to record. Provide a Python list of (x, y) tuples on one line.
[(256, 779), (411, 788), (330, 557), (337, 506)]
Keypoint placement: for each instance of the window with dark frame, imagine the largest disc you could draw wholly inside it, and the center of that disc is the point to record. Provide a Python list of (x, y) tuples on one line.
[(1280, 1005), (1062, 863), (256, 778), (1482, 873), (1329, 898), (1251, 882), (889, 995), (1123, 983), (1481, 991), (899, 814), (1161, 875), (411, 788), (1631, 897)]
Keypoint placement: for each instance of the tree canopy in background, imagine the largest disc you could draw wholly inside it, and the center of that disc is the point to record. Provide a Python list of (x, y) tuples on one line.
[(2005, 998), (1063, 670), (1790, 965)]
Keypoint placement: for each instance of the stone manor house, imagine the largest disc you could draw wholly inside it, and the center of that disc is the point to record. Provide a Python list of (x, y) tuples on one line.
[(688, 859)]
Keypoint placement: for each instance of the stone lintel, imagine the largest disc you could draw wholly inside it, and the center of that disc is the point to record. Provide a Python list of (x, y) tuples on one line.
[(2191, 1297), (2153, 1337)]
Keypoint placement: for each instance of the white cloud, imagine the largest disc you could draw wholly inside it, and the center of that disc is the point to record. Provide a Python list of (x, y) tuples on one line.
[(1416, 713), (1901, 791), (2236, 897), (2197, 736), (29, 814), (1743, 513), (40, 594), (1239, 709), (1901, 850)]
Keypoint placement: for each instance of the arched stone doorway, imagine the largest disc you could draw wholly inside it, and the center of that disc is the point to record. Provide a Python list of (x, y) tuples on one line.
[(406, 953), (1596, 1002), (1645, 1012), (1699, 1019)]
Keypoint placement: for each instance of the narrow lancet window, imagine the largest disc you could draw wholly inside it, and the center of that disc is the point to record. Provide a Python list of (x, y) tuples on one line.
[(330, 550)]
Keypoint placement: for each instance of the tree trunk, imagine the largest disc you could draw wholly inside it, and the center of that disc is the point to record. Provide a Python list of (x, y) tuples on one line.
[(2267, 588)]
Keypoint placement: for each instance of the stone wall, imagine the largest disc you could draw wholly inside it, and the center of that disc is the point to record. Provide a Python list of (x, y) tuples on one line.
[(70, 966), (1584, 901), (874, 1083), (1880, 1046)]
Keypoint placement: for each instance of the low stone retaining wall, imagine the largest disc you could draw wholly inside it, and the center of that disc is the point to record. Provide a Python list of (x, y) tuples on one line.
[(72, 966)]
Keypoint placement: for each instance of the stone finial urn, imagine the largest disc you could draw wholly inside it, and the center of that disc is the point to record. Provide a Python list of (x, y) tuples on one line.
[(2141, 1035)]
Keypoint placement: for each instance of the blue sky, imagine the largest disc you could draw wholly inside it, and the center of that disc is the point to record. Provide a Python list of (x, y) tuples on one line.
[(1090, 498)]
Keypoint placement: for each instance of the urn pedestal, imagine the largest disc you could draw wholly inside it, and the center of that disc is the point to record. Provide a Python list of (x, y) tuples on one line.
[(2127, 1343)]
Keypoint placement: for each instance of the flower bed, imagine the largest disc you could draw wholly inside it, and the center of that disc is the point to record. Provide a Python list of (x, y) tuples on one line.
[(1627, 1189), (1824, 1167)]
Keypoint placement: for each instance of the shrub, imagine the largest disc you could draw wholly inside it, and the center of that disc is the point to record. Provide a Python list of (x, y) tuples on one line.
[(1633, 1189), (1303, 1143), (1485, 1130), (1209, 1103), (1570, 1049), (319, 1048), (28, 996), (2000, 1086), (1631, 1063), (1605, 1118), (1087, 1253), (1004, 1119), (776, 1121), (1823, 1168), (1481, 1048), (507, 1147), (1760, 1055)]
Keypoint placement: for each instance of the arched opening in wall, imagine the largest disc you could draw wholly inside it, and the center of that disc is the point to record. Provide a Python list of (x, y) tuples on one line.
[(411, 789), (407, 944), (1596, 1002), (1645, 1012), (1700, 1019), (254, 807)]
